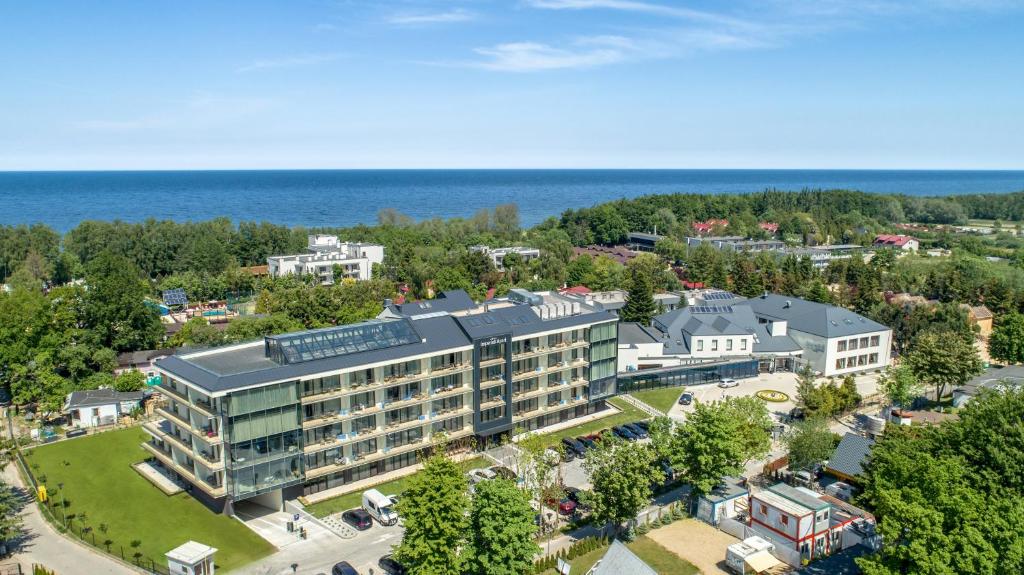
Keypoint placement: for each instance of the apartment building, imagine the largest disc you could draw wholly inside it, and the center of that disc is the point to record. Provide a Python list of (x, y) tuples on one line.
[(497, 255), (324, 252), (304, 412)]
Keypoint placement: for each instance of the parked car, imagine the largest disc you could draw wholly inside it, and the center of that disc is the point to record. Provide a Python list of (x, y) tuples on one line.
[(343, 568), (477, 475), (587, 442), (841, 490), (624, 433), (503, 472), (565, 505), (727, 383), (636, 430), (803, 478), (686, 398), (574, 494), (666, 469), (574, 446), (643, 424), (388, 564), (357, 518)]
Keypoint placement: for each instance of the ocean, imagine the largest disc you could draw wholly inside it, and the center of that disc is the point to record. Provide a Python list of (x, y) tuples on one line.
[(348, 197)]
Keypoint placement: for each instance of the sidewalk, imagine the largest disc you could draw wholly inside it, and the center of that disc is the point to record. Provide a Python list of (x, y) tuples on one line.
[(43, 545)]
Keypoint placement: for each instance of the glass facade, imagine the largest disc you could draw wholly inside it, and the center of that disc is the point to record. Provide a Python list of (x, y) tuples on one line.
[(686, 375), (335, 341), (603, 358)]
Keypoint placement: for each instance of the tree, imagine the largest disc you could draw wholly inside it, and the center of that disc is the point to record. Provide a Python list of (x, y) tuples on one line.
[(622, 474), (640, 306), (806, 392), (1006, 343), (10, 513), (942, 359), (131, 380), (196, 332), (114, 305), (710, 447), (501, 529), (809, 442), (899, 384), (434, 508), (753, 424)]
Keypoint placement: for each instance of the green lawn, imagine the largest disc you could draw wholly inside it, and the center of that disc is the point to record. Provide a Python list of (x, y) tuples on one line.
[(628, 414), (99, 481), (660, 559), (661, 399), (393, 487)]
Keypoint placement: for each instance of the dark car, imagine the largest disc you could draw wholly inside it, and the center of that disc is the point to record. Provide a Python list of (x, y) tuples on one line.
[(343, 568), (357, 518), (504, 472), (636, 429), (686, 398), (643, 424), (624, 433), (390, 566), (586, 442), (574, 495), (666, 469), (796, 414), (574, 446)]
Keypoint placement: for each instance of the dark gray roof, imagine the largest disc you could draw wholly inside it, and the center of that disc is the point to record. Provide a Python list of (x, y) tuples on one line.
[(97, 397), (812, 317), (247, 365), (619, 560), (632, 333), (850, 455), (681, 324), (130, 358), (729, 489), (449, 301)]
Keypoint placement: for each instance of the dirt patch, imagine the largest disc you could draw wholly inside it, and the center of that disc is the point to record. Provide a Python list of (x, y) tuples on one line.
[(697, 542)]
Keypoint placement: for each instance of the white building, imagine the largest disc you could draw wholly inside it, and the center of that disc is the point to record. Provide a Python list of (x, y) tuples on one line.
[(324, 253), (96, 407), (191, 558), (497, 255)]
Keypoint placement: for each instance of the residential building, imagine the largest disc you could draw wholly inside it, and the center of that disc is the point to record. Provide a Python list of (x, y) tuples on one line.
[(835, 341), (642, 242), (497, 255), (301, 413), (98, 407), (847, 461), (141, 360), (980, 316), (905, 243), (737, 243), (799, 519), (708, 226), (770, 227), (324, 253), (729, 499), (994, 379), (611, 300)]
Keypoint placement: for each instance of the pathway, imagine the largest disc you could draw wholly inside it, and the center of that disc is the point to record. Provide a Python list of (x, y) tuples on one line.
[(43, 545)]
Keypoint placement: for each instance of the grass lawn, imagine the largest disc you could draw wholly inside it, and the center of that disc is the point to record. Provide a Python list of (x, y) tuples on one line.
[(651, 552), (628, 414), (393, 487), (99, 481), (661, 399)]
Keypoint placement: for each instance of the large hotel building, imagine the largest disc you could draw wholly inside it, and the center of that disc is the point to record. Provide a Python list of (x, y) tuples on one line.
[(299, 413)]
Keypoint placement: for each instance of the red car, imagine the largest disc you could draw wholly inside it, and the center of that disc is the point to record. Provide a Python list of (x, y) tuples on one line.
[(565, 506)]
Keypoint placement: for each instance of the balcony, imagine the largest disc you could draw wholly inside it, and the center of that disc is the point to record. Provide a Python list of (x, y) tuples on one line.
[(454, 368), (346, 462), (494, 361), (492, 382), (175, 417), (168, 462)]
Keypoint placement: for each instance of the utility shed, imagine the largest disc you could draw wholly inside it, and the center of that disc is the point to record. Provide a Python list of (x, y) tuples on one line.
[(191, 558)]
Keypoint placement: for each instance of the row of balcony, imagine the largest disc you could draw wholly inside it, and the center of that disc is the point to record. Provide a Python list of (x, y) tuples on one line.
[(208, 435), (167, 459), (369, 433), (556, 406), (385, 382), (361, 411), (204, 407), (210, 459), (541, 370)]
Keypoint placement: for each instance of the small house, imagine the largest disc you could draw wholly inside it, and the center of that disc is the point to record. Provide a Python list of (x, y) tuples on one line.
[(905, 243), (726, 501), (98, 407), (847, 461), (191, 559), (980, 316)]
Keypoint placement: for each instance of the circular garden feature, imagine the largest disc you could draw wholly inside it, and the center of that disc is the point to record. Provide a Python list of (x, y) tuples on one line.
[(772, 395)]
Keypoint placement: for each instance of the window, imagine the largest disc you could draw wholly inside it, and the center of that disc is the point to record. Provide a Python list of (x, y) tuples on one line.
[(873, 358), (841, 345), (874, 341), (714, 345), (853, 344), (728, 345), (785, 519), (862, 360), (841, 363), (743, 344), (700, 345), (764, 509), (863, 342)]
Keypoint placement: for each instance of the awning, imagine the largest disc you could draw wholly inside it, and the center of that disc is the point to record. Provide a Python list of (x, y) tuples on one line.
[(761, 561)]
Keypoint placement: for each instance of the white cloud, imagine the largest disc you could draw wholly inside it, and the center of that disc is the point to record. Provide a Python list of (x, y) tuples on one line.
[(533, 56), (456, 15), (289, 62), (637, 6)]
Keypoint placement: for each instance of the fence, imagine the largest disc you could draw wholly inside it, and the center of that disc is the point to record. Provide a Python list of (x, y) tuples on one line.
[(83, 533)]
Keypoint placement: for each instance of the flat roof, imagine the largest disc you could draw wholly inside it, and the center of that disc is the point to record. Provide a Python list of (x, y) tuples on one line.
[(783, 504), (190, 553)]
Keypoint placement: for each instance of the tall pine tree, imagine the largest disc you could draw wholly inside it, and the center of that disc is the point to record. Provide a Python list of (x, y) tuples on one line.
[(640, 306)]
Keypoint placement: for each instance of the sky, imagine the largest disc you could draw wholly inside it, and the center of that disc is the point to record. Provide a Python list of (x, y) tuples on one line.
[(872, 84)]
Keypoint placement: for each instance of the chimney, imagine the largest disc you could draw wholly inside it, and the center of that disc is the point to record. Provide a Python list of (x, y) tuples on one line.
[(387, 302), (788, 304)]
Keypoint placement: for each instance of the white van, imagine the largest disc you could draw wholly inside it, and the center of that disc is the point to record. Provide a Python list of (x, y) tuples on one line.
[(379, 506)]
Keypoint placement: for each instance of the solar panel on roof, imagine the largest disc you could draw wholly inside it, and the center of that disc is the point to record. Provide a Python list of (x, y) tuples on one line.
[(342, 340), (718, 295), (711, 309), (175, 296)]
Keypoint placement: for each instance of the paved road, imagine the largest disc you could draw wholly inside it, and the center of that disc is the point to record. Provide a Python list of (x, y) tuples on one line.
[(42, 545)]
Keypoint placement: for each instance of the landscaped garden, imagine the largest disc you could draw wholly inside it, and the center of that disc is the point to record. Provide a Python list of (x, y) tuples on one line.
[(627, 414), (393, 487), (103, 493), (661, 399)]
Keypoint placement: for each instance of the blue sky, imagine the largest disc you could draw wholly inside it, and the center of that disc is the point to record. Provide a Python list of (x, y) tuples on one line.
[(510, 84)]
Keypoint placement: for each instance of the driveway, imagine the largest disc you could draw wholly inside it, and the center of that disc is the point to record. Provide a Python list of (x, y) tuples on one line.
[(696, 542), (42, 545)]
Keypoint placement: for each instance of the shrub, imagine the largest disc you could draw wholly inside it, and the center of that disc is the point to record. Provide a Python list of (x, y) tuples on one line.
[(629, 534), (666, 519)]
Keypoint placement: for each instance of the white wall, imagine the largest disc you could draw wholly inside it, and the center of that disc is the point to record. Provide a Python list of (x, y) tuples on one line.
[(703, 347), (86, 417), (773, 518)]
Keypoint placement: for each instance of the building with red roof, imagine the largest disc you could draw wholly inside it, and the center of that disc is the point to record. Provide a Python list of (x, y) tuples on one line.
[(708, 226), (906, 243), (770, 227)]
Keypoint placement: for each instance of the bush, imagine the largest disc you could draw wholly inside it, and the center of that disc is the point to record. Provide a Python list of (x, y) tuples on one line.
[(643, 529), (629, 534), (677, 512), (666, 519)]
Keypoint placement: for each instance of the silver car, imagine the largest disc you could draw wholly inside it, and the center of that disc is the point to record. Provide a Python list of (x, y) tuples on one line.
[(726, 383)]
